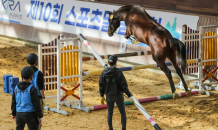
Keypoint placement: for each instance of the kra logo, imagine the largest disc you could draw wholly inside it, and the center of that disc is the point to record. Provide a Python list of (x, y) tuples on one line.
[(10, 4)]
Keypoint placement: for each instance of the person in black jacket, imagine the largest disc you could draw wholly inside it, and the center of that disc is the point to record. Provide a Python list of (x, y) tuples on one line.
[(26, 108), (112, 83)]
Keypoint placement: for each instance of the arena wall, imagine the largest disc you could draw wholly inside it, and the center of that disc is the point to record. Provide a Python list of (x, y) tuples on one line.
[(193, 7)]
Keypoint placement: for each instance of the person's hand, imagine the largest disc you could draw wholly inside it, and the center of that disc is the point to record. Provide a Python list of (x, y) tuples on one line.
[(40, 121), (43, 102), (102, 100), (131, 99), (14, 117)]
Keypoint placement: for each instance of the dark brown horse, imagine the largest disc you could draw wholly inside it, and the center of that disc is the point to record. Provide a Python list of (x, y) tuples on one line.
[(146, 30)]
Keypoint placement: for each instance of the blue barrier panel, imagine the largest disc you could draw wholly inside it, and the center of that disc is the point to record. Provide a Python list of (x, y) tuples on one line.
[(13, 81), (6, 82)]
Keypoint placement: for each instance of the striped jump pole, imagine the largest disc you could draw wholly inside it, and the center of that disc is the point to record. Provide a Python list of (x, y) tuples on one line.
[(144, 100), (98, 72), (119, 55), (145, 113), (92, 50)]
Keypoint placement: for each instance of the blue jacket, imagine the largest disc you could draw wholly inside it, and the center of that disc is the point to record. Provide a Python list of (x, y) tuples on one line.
[(25, 101), (34, 82)]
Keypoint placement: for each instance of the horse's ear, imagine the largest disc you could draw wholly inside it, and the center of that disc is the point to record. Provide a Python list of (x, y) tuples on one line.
[(109, 13)]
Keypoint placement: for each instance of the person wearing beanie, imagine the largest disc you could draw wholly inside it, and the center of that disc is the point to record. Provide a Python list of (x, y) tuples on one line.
[(113, 84), (26, 108), (38, 79)]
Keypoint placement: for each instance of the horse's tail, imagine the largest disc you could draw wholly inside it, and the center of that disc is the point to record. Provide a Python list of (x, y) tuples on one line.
[(181, 52)]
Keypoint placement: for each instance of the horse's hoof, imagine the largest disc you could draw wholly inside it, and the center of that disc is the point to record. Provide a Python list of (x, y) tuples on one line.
[(175, 96), (188, 93)]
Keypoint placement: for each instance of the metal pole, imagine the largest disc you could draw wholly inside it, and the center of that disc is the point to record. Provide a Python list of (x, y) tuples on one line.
[(40, 57), (92, 50), (80, 70), (64, 67), (200, 57), (58, 76), (145, 113)]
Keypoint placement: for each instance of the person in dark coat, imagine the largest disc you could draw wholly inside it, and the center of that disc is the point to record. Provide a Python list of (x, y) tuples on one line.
[(113, 84), (26, 107)]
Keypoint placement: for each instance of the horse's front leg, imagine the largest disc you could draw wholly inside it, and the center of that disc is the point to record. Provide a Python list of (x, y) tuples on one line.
[(130, 37), (128, 33), (126, 36)]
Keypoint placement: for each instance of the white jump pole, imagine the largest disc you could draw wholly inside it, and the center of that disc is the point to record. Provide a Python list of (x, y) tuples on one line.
[(92, 50), (145, 113), (58, 76)]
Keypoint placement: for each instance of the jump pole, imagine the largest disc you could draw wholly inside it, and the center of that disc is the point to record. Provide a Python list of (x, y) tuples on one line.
[(144, 100), (138, 105), (98, 72), (92, 50), (119, 55)]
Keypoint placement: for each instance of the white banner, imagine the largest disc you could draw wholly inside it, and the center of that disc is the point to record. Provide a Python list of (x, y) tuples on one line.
[(90, 19)]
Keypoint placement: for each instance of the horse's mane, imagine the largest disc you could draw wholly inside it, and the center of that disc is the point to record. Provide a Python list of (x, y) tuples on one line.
[(147, 15), (139, 8), (126, 7)]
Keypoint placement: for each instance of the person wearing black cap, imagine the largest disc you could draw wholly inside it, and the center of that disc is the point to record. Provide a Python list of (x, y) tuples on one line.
[(25, 105), (112, 83), (38, 79)]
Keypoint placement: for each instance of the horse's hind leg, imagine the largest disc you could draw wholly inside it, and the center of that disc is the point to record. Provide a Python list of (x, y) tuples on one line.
[(167, 72), (178, 71)]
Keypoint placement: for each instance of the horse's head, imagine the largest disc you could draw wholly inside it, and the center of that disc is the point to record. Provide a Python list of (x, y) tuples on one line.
[(114, 23)]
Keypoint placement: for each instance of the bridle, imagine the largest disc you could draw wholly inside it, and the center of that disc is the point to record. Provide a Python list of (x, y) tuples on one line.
[(111, 18)]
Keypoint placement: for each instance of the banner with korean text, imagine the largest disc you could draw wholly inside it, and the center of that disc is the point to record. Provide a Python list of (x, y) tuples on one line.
[(90, 19)]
